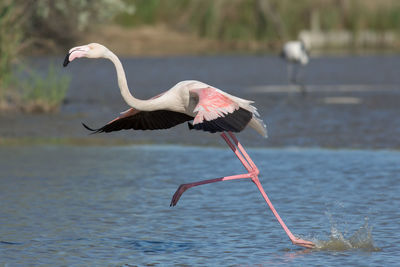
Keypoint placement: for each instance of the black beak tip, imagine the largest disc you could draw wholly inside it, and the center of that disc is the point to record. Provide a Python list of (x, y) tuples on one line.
[(66, 60)]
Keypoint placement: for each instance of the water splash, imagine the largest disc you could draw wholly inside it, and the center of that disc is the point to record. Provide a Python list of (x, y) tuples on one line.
[(361, 239)]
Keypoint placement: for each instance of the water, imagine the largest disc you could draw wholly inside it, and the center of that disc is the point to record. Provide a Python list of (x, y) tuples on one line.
[(109, 206)]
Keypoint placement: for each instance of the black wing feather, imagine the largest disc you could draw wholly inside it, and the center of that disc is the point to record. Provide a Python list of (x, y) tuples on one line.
[(164, 119), (145, 120), (232, 122)]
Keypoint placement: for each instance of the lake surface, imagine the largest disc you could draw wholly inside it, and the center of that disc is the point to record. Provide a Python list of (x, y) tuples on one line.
[(109, 206)]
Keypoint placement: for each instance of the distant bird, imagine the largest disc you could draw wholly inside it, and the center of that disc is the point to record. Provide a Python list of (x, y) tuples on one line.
[(295, 54), (209, 108)]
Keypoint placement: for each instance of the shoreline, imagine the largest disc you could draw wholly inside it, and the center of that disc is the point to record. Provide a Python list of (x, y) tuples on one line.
[(163, 41), (121, 142)]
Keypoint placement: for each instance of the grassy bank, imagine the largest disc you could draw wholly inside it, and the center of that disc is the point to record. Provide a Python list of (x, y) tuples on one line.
[(41, 27), (27, 90), (23, 88)]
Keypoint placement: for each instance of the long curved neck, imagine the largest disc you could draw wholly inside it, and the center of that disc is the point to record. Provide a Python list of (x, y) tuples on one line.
[(143, 105)]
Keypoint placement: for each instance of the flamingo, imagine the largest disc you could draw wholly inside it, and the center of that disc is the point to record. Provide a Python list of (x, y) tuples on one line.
[(295, 54), (209, 109)]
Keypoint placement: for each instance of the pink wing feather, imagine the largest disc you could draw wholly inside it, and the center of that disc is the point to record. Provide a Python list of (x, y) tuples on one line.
[(212, 105)]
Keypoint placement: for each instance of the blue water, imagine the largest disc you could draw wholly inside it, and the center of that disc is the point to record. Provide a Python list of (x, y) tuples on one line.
[(109, 206)]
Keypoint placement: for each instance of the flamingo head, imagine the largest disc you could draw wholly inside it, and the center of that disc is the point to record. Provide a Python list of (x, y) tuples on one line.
[(92, 50)]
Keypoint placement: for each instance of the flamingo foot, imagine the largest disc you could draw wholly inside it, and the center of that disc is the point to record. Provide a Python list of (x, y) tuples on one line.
[(181, 189), (303, 243)]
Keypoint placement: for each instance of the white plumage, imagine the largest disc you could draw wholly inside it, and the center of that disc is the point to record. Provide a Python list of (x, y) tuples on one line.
[(295, 51), (296, 55)]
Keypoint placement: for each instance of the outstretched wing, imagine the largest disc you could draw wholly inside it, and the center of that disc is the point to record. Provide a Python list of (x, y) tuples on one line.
[(216, 112), (143, 120)]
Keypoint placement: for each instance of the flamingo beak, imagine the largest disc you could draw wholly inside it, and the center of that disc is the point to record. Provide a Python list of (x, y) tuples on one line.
[(76, 52), (66, 60)]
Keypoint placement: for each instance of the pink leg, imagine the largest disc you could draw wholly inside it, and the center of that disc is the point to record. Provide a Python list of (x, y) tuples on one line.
[(183, 187), (253, 174)]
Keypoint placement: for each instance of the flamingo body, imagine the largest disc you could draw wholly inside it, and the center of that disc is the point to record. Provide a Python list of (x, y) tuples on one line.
[(295, 52), (296, 56), (211, 110)]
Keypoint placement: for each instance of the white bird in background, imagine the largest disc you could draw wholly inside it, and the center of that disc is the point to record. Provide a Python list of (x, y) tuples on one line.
[(296, 55), (209, 108)]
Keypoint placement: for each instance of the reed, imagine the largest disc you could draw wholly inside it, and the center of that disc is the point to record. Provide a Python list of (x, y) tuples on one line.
[(10, 40), (22, 88), (42, 92)]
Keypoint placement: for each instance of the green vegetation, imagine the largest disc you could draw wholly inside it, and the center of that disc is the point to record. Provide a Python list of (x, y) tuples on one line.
[(42, 93), (271, 20), (41, 26), (10, 39), (29, 91)]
